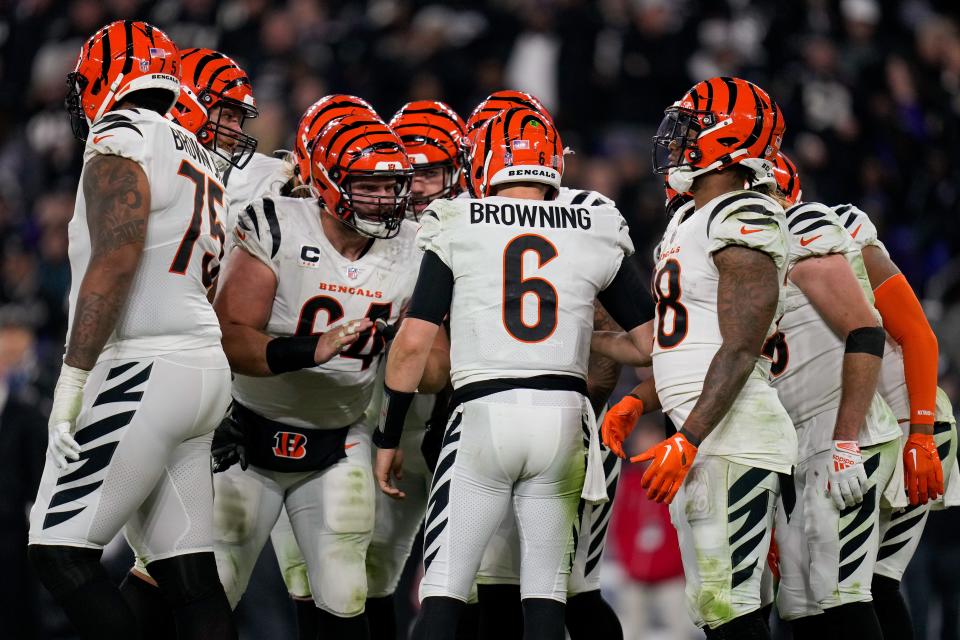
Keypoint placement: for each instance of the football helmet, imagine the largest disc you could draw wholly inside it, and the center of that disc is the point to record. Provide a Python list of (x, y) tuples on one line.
[(357, 150), (788, 178), (492, 105), (212, 82), (516, 145), (122, 57), (316, 118), (431, 132), (718, 123)]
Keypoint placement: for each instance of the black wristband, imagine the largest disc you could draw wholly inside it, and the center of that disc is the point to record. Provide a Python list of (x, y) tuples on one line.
[(291, 353), (692, 439), (866, 340), (392, 414)]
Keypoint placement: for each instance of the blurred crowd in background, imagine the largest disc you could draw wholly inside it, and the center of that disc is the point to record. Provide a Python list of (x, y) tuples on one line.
[(870, 90)]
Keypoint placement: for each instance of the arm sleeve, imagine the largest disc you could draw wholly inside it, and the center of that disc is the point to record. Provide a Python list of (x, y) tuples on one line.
[(434, 291), (750, 220), (904, 320), (626, 298), (258, 232)]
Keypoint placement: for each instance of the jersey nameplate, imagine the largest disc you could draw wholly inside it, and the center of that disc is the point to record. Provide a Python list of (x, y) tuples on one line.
[(524, 215)]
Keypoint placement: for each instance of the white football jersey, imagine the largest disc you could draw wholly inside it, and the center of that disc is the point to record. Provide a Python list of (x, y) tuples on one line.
[(583, 197), (808, 355), (892, 384), (526, 275), (264, 175), (167, 308), (687, 330), (317, 290)]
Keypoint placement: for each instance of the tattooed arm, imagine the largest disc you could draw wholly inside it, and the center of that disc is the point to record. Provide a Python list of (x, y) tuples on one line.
[(117, 196), (746, 303), (602, 372)]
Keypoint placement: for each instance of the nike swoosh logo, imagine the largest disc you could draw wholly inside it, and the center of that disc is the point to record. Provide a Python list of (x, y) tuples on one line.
[(746, 231), (913, 452), (666, 453), (350, 445), (97, 139), (853, 234), (805, 241)]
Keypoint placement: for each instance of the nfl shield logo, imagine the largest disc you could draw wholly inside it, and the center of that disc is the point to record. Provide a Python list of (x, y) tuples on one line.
[(353, 272), (144, 65)]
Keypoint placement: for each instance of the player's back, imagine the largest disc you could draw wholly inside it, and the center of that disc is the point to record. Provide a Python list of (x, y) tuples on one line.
[(526, 274), (167, 308)]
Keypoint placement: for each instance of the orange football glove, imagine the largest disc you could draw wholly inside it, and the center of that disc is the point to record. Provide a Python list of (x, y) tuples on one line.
[(672, 459), (922, 470), (619, 422)]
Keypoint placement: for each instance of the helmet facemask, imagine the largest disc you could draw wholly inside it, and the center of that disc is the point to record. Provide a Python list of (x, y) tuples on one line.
[(76, 84), (374, 215), (228, 142)]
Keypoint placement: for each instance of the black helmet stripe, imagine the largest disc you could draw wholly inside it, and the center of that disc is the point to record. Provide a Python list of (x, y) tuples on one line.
[(732, 89), (758, 122), (128, 33), (207, 59), (709, 105)]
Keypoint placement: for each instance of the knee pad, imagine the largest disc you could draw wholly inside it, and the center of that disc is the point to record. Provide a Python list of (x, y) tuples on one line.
[(63, 569), (187, 578), (349, 499)]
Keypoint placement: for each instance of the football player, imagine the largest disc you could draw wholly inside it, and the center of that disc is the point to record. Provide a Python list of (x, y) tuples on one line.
[(141, 388), (520, 341), (826, 363), (430, 132), (717, 284), (215, 100), (498, 580), (297, 302), (910, 391)]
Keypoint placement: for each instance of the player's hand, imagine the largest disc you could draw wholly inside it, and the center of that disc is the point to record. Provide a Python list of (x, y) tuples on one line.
[(922, 469), (339, 339), (389, 461), (228, 446), (847, 478), (67, 402), (672, 459), (619, 421)]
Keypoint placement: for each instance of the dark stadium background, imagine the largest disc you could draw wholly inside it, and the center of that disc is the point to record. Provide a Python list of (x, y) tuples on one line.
[(870, 89)]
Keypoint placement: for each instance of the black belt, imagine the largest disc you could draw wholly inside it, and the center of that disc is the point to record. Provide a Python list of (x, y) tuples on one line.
[(276, 446), (548, 382)]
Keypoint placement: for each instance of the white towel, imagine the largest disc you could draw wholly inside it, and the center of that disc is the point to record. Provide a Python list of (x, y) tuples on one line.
[(595, 482)]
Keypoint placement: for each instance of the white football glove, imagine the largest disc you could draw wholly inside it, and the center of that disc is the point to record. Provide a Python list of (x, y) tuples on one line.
[(847, 477), (67, 401)]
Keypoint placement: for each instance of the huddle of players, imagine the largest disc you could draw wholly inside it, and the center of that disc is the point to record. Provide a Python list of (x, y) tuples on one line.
[(736, 356)]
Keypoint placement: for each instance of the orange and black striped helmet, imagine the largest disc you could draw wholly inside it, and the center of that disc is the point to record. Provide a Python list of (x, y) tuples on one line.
[(788, 178), (122, 57), (431, 132), (492, 105), (357, 149), (718, 123), (516, 145), (212, 82), (316, 118)]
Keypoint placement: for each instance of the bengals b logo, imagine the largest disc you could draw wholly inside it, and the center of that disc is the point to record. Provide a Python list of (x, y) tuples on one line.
[(289, 445)]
